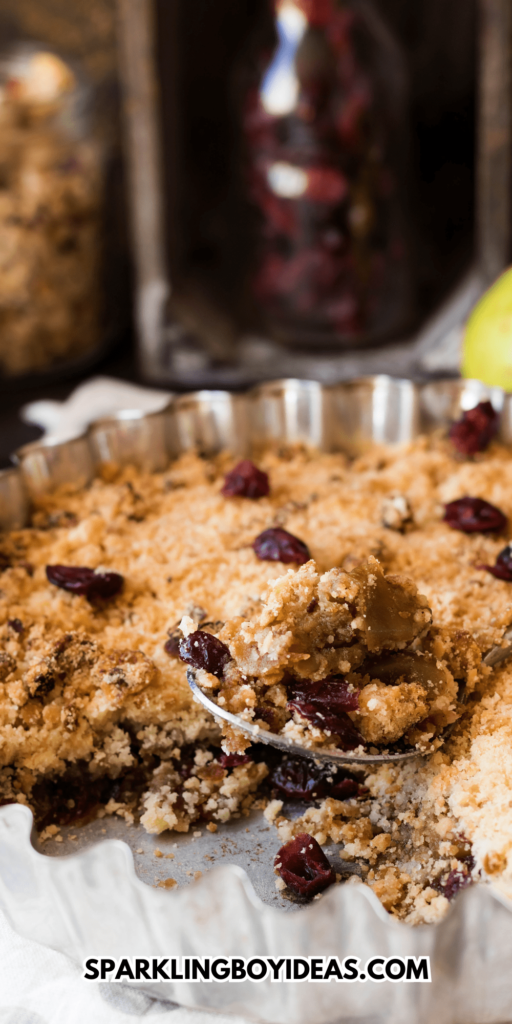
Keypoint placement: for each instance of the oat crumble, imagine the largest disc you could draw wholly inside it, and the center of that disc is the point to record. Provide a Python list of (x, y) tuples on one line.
[(382, 671), (87, 687)]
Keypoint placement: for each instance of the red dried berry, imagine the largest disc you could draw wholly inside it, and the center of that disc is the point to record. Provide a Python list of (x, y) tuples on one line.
[(348, 736), (460, 877), (457, 879), (172, 646), (299, 778), (331, 695), (81, 580), (325, 704), (276, 545), (203, 650), (246, 481), (302, 864), (474, 515), (233, 760), (16, 625), (346, 788), (267, 715), (502, 569), (475, 429)]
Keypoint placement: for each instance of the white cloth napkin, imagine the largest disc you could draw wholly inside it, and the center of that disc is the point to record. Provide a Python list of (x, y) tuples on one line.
[(38, 985), (100, 396)]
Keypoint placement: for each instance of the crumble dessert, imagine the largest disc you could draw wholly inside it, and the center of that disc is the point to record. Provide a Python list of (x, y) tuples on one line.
[(346, 659), (92, 686)]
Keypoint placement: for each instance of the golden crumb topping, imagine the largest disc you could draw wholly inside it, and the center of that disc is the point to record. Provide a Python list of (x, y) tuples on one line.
[(95, 684)]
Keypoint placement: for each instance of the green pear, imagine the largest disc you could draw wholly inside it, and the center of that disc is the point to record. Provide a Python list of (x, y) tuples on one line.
[(487, 345)]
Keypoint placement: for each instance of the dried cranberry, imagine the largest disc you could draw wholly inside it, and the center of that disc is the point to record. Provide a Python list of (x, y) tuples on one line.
[(325, 704), (233, 760), (276, 545), (16, 625), (304, 867), (346, 788), (172, 646), (268, 715), (80, 580), (475, 430), (295, 779), (348, 736), (246, 481), (502, 569), (330, 695), (203, 650), (299, 778), (457, 879), (474, 515)]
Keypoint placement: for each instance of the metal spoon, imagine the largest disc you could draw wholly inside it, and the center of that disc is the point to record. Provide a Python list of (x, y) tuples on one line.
[(494, 657), (262, 736), (499, 654)]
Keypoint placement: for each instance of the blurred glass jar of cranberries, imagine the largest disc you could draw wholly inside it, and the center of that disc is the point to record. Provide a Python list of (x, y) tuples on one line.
[(52, 173), (325, 125)]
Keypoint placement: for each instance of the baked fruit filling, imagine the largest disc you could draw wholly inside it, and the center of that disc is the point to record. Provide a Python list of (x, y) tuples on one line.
[(291, 580), (341, 659)]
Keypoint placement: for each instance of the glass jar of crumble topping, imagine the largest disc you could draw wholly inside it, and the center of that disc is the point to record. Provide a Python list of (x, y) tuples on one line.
[(52, 176), (325, 129)]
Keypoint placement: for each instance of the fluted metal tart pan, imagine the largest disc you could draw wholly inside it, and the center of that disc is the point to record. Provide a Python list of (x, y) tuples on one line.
[(96, 901)]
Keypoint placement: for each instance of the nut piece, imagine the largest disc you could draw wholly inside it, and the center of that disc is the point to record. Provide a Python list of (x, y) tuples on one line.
[(125, 672), (69, 717), (39, 680), (396, 512), (7, 665)]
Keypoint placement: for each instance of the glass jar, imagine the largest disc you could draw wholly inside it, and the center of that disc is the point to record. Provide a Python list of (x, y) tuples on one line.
[(325, 138), (52, 173)]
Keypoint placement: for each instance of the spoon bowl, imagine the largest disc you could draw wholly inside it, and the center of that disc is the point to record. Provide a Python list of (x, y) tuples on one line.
[(496, 656), (258, 735)]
